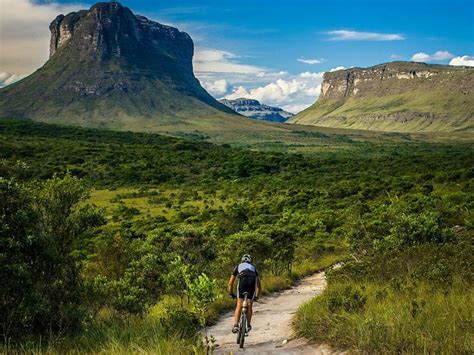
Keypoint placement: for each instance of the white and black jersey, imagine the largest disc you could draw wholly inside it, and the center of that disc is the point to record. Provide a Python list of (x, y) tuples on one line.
[(247, 275)]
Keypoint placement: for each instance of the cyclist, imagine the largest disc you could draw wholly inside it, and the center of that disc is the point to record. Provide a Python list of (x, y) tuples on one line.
[(249, 282)]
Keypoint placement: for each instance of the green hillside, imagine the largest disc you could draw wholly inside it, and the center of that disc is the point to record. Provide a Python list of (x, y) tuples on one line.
[(111, 68), (403, 97)]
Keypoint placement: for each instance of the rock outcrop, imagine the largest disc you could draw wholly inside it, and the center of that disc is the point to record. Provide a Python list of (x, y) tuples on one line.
[(256, 110), (107, 64), (398, 96)]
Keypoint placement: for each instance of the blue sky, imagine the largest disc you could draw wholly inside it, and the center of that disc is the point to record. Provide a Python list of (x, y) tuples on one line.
[(244, 46)]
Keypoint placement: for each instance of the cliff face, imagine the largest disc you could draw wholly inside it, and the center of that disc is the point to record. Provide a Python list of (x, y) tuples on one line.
[(107, 62), (399, 96), (256, 110), (393, 78)]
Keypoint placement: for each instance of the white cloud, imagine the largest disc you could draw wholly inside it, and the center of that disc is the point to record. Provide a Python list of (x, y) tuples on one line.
[(310, 61), (311, 75), (395, 57), (24, 33), (7, 78), (271, 74), (442, 55), (216, 88), (295, 108), (212, 55), (345, 35), (463, 60), (218, 61), (420, 57), (293, 93), (437, 56), (337, 68)]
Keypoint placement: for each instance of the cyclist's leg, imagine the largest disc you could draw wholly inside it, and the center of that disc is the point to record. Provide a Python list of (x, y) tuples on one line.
[(249, 311), (252, 290), (250, 303), (238, 309)]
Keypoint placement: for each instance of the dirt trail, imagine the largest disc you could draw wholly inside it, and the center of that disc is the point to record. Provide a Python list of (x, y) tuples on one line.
[(272, 331)]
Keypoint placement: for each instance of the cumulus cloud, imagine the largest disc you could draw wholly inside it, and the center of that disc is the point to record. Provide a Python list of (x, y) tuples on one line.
[(420, 57), (8, 78), (218, 61), (316, 76), (293, 92), (463, 60), (24, 33), (337, 68), (216, 88), (437, 56), (345, 35), (310, 61)]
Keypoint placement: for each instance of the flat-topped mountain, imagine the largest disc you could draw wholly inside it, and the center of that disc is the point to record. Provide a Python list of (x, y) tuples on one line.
[(111, 68), (397, 96), (256, 110)]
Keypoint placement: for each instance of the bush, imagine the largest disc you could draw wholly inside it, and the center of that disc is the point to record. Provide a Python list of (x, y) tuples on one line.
[(345, 298), (181, 322), (40, 225)]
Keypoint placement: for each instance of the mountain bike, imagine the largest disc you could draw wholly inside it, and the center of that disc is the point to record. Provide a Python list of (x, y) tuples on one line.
[(242, 333)]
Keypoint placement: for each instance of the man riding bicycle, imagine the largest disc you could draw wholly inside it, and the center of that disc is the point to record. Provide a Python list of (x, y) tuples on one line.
[(249, 282)]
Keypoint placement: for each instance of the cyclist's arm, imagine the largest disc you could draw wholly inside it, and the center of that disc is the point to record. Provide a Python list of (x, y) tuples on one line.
[(230, 284)]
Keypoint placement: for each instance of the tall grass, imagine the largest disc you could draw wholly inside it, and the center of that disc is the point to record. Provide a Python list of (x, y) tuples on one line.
[(115, 335), (397, 318)]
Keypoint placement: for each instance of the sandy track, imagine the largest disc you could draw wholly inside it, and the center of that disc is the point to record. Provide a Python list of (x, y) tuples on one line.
[(272, 331)]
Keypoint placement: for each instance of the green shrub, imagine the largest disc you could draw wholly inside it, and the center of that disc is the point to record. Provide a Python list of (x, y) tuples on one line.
[(40, 227), (180, 322), (345, 298)]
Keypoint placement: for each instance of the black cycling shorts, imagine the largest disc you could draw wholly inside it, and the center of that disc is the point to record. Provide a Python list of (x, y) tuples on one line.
[(247, 284)]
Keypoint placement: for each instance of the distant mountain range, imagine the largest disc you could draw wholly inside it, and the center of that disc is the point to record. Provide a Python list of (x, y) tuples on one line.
[(111, 68), (256, 110), (397, 96)]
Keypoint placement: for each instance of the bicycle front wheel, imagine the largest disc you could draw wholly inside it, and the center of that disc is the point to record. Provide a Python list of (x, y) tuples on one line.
[(242, 330)]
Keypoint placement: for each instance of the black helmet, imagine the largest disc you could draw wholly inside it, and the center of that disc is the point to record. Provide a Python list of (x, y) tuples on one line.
[(246, 258)]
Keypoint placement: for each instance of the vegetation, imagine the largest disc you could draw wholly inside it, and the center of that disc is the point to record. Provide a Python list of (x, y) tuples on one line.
[(122, 226), (409, 287)]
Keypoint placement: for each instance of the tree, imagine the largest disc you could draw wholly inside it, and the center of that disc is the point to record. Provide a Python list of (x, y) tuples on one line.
[(283, 250)]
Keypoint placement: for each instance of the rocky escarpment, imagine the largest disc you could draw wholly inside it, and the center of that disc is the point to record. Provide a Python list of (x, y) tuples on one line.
[(398, 96), (256, 110), (109, 65)]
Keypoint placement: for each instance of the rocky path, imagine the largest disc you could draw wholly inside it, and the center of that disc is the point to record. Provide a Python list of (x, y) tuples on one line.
[(272, 331)]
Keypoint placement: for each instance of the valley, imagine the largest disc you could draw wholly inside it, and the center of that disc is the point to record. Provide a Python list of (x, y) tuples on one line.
[(156, 201), (128, 193)]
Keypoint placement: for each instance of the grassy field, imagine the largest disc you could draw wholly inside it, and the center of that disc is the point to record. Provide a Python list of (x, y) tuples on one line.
[(381, 318), (407, 112)]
